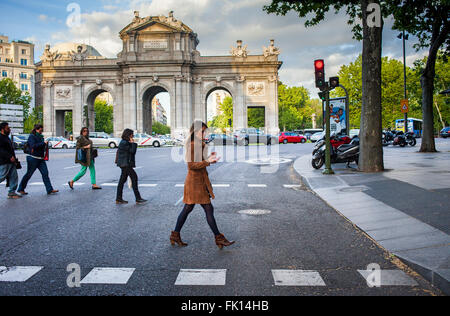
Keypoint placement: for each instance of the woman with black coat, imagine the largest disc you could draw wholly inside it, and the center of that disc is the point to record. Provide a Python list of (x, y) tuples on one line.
[(126, 161)]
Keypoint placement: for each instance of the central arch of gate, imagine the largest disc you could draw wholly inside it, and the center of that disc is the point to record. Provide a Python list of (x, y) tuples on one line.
[(159, 54)]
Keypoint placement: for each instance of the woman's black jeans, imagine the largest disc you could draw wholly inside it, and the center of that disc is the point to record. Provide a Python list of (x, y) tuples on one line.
[(128, 172)]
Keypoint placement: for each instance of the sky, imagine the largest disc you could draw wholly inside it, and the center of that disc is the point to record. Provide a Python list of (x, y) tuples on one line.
[(218, 23)]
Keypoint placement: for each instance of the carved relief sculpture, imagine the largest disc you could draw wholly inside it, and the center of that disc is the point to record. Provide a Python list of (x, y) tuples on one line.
[(48, 55), (271, 50), (239, 51), (80, 55), (64, 93), (255, 89)]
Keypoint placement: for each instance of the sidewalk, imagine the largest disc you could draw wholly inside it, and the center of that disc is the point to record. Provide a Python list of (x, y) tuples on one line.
[(406, 209)]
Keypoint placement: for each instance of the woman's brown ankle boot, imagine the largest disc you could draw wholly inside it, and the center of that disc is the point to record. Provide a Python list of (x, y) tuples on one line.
[(221, 241), (176, 238)]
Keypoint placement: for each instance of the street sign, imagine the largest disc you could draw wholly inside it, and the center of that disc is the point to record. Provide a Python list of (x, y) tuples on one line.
[(405, 106), (13, 114)]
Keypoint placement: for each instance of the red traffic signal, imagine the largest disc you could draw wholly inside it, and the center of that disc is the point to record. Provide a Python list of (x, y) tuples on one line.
[(319, 68)]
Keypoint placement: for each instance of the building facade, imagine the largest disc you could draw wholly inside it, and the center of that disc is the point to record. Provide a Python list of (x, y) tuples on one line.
[(159, 114), (159, 54), (17, 63)]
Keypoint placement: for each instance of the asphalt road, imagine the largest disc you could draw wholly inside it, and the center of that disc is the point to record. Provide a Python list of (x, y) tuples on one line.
[(85, 227)]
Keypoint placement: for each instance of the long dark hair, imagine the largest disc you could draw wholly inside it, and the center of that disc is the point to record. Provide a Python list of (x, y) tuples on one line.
[(196, 126), (126, 135), (36, 127), (82, 130)]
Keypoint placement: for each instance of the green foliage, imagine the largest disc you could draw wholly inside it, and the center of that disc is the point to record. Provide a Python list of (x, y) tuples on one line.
[(35, 117), (392, 89), (221, 121), (10, 94), (256, 117), (68, 126), (104, 117), (159, 128), (296, 108)]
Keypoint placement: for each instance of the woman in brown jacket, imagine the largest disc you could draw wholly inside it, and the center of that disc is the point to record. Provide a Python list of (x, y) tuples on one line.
[(197, 187)]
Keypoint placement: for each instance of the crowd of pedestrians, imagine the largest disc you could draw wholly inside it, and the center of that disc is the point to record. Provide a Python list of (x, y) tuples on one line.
[(197, 188)]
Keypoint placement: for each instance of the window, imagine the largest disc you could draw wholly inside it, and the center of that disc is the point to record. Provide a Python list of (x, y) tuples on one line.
[(23, 75), (24, 87), (4, 73), (24, 62), (24, 51), (1, 50)]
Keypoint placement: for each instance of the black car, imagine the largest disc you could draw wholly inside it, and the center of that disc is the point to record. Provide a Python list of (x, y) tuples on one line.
[(220, 139), (248, 136), (445, 132)]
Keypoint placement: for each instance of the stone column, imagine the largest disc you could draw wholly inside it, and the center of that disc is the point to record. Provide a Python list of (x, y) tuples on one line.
[(188, 106), (272, 106), (239, 110), (118, 108), (139, 110), (198, 104), (179, 102), (49, 111), (77, 110), (133, 105)]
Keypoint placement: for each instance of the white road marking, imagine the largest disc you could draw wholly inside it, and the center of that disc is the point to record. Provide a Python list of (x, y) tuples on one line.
[(257, 185), (76, 184), (18, 274), (148, 185), (109, 184), (66, 168), (108, 276), (390, 277), (37, 183), (292, 186), (221, 185), (179, 185), (297, 278), (201, 277)]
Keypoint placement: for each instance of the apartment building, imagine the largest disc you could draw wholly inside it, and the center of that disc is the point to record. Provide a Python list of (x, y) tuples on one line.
[(17, 63)]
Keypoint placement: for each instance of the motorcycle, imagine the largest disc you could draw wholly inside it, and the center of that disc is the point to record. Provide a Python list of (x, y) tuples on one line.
[(335, 140), (344, 153), (398, 138)]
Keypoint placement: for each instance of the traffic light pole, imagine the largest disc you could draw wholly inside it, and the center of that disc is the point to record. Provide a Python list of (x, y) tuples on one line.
[(328, 169)]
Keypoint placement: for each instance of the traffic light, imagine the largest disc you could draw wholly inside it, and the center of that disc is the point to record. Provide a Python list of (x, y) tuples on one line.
[(334, 82), (322, 96), (319, 67)]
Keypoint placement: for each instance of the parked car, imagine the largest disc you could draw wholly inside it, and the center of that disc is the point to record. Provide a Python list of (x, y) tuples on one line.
[(143, 139), (445, 132), (290, 137), (220, 139), (19, 141), (316, 136), (101, 139), (60, 142), (248, 136)]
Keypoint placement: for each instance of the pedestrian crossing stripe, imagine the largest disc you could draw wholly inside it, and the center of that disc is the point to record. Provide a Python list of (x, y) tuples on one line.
[(213, 277), (297, 278), (201, 277), (108, 276), (18, 274)]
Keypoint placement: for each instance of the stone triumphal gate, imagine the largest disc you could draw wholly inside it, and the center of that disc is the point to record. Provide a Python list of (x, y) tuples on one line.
[(159, 55)]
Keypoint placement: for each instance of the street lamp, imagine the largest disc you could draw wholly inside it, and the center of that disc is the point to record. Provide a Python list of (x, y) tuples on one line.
[(405, 37)]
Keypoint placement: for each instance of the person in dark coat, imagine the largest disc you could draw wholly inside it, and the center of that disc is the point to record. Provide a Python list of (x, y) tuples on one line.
[(35, 160), (8, 170), (197, 186), (126, 161), (85, 144)]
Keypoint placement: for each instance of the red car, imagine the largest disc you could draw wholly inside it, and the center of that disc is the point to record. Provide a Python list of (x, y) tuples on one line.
[(289, 137)]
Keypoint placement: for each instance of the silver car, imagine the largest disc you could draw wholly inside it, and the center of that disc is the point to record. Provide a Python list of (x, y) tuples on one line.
[(101, 139)]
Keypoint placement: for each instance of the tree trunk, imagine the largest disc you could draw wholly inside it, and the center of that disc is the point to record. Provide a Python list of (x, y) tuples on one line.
[(427, 84), (371, 149)]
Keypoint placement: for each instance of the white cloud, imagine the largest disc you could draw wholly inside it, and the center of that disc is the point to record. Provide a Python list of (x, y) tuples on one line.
[(43, 17)]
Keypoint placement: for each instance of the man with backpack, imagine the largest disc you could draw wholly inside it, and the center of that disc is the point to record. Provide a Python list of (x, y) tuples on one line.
[(8, 161)]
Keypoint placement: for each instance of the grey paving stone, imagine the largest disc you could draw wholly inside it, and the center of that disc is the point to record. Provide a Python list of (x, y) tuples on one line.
[(416, 242), (401, 231)]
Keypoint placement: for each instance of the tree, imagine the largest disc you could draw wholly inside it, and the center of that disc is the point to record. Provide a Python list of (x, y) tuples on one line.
[(429, 21), (35, 117), (10, 94), (371, 150), (221, 121), (104, 117), (391, 86), (160, 129)]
